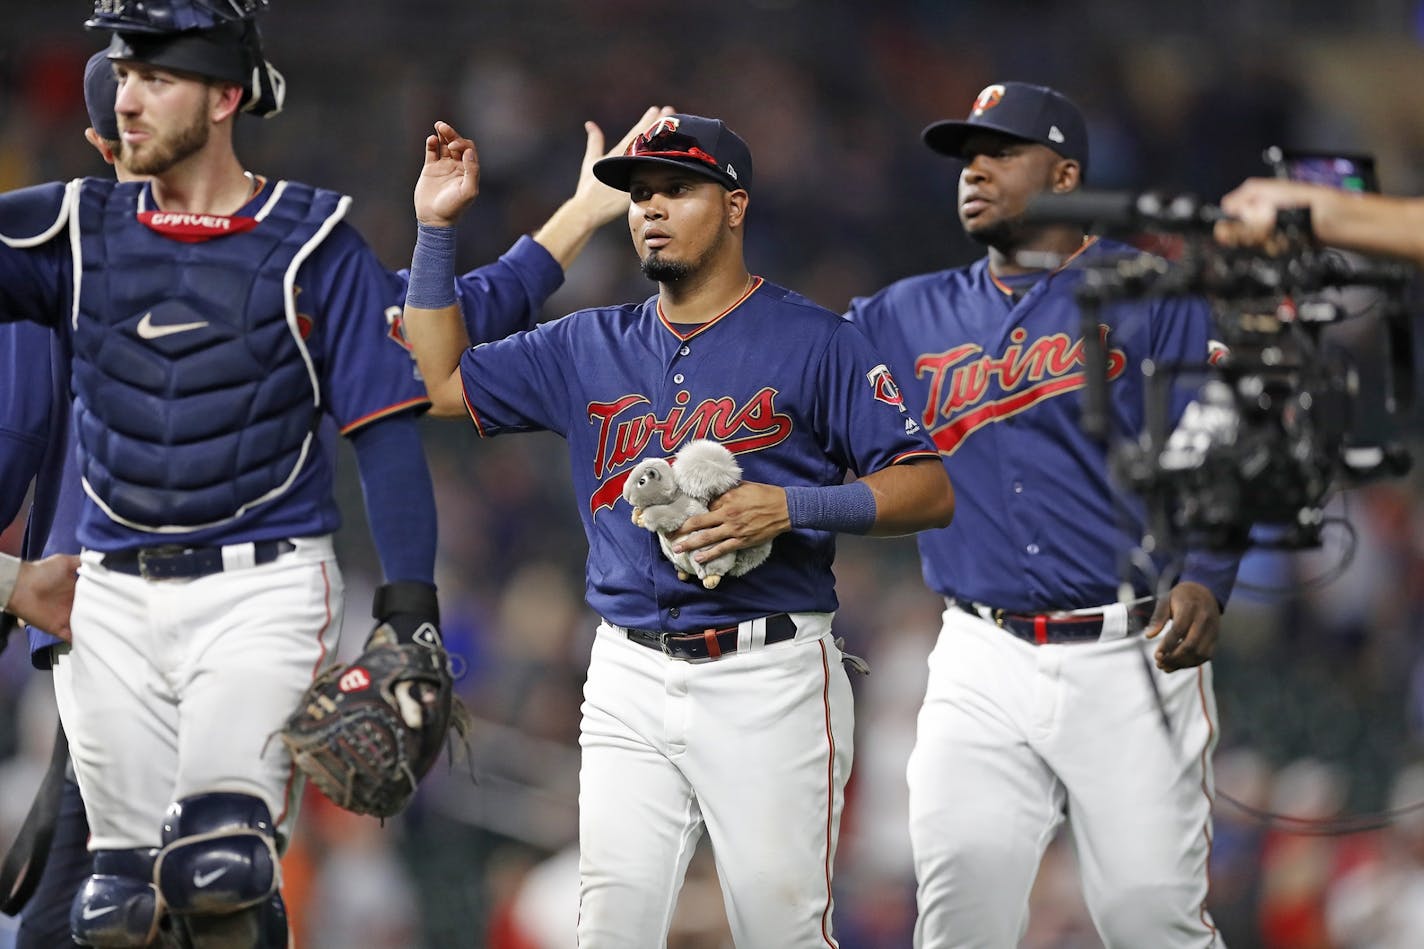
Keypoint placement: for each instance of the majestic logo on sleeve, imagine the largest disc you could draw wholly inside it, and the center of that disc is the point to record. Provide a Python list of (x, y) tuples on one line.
[(624, 433), (960, 380)]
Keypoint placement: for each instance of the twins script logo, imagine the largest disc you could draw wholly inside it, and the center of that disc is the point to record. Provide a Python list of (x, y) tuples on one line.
[(1028, 374), (624, 433)]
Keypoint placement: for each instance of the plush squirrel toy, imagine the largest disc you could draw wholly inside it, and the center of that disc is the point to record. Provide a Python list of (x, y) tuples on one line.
[(664, 495)]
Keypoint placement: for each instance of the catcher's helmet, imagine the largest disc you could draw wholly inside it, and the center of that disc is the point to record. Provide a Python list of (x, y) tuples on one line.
[(170, 16), (216, 39)]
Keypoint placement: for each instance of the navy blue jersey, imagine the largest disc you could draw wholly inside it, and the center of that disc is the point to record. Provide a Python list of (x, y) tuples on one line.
[(792, 389), (998, 382)]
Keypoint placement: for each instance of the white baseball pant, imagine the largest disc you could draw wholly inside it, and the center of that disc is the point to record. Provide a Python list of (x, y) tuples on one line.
[(754, 746), (177, 687), (1014, 735)]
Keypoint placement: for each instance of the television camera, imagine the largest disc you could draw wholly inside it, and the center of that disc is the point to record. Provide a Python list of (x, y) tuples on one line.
[(1277, 423)]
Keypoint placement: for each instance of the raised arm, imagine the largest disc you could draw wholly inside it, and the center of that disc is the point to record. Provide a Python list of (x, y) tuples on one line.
[(448, 184), (593, 203)]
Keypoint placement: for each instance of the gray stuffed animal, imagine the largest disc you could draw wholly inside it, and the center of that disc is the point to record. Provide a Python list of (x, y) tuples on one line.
[(664, 495)]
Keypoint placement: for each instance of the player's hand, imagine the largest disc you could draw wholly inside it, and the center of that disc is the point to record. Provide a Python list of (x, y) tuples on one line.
[(749, 514), (601, 203), (1253, 207), (450, 178), (44, 593), (1188, 620)]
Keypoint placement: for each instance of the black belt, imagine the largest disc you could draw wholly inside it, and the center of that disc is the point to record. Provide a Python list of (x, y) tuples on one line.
[(709, 643), (176, 562), (1061, 627)]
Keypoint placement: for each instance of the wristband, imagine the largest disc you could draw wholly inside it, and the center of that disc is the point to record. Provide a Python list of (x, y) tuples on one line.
[(432, 268), (410, 610), (845, 508)]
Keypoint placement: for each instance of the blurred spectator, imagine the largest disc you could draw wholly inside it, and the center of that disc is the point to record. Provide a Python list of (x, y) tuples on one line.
[(1380, 903)]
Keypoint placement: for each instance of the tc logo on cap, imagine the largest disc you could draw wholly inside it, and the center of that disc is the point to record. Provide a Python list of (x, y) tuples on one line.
[(988, 98), (664, 126)]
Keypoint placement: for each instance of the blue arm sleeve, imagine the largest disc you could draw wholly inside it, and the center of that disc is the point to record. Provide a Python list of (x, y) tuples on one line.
[(505, 297), (1215, 570), (19, 459), (27, 410), (400, 500)]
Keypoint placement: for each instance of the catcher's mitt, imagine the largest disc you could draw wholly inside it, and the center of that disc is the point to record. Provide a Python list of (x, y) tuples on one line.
[(366, 733)]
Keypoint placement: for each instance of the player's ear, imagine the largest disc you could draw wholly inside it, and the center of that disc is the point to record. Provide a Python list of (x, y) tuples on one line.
[(1067, 176), (224, 98), (737, 207), (100, 146)]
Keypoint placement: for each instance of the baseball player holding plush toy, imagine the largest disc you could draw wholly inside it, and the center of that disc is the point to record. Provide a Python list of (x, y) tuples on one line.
[(1042, 702), (725, 709)]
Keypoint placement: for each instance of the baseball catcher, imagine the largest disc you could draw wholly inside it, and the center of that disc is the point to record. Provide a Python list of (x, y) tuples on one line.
[(366, 733)]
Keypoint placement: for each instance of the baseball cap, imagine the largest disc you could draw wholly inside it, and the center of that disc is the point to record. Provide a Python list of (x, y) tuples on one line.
[(100, 91), (1033, 113), (698, 144)]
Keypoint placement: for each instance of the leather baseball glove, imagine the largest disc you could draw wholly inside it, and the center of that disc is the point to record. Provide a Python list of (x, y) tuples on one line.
[(366, 733)]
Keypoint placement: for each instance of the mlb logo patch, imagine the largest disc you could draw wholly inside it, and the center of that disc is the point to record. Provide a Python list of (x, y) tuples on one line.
[(884, 388)]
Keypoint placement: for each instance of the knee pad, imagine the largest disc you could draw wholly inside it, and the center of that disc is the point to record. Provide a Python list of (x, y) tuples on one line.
[(118, 906), (218, 871), (259, 927)]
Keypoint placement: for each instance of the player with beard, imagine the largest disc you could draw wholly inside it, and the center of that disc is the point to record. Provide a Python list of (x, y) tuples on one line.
[(1043, 702), (725, 710), (496, 300), (216, 318)]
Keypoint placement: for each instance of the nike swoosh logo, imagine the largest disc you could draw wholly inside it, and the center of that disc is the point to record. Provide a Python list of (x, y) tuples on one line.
[(201, 879), (146, 329), (92, 913)]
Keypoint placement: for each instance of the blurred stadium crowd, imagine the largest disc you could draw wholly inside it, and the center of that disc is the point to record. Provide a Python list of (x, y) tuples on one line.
[(1321, 685)]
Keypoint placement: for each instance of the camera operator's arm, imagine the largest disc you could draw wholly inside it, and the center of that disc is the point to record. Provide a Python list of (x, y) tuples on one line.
[(1369, 223)]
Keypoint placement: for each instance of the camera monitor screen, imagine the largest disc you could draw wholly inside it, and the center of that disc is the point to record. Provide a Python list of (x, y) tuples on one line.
[(1348, 172)]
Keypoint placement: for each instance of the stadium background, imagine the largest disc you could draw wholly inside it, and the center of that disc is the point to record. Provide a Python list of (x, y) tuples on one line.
[(1321, 692)]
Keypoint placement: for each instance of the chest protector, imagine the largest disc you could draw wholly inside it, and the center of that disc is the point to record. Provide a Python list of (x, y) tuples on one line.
[(196, 397)]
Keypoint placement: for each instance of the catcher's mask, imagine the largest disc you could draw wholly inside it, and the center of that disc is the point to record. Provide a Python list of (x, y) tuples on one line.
[(214, 39)]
